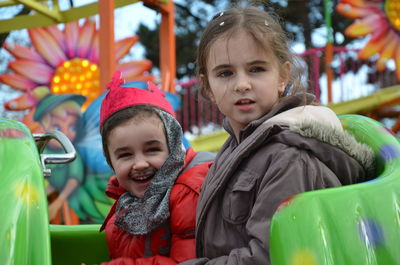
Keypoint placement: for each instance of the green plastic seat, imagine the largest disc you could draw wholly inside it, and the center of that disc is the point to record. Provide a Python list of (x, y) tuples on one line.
[(24, 230), (25, 234), (76, 244), (351, 225)]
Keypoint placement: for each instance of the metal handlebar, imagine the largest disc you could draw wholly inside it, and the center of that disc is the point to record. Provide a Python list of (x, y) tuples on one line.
[(42, 139)]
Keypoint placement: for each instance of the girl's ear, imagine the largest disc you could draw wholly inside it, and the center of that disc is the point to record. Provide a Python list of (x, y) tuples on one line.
[(286, 70), (206, 87)]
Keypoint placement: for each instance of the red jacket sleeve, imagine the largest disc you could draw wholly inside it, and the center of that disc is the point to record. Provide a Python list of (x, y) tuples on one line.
[(183, 223)]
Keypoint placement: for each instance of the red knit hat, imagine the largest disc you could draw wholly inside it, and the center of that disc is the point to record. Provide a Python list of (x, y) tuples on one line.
[(119, 97)]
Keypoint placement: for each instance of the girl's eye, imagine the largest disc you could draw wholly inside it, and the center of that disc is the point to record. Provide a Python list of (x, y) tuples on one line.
[(256, 69), (224, 74), (154, 149), (122, 155)]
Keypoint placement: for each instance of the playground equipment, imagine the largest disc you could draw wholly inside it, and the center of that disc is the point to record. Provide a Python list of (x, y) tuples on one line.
[(355, 224), (49, 13), (77, 59), (301, 232)]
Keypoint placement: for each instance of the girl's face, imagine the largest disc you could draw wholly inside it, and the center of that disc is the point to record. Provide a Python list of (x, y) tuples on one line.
[(244, 80), (138, 148)]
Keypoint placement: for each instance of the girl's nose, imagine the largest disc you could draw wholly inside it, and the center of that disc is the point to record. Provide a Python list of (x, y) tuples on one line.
[(243, 85), (140, 164)]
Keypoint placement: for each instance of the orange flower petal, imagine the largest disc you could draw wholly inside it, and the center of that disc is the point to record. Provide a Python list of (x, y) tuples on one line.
[(37, 72), (388, 51), (375, 44), (123, 46), (397, 61), (131, 70), (58, 36), (47, 46), (364, 26), (33, 126), (354, 12), (17, 82), (86, 38), (24, 53), (94, 50), (356, 3), (23, 102), (71, 32)]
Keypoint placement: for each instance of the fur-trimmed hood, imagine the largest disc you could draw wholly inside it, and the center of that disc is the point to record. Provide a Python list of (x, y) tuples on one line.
[(314, 128), (321, 123)]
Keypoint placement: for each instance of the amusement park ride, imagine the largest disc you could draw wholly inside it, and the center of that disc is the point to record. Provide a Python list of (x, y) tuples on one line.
[(355, 224)]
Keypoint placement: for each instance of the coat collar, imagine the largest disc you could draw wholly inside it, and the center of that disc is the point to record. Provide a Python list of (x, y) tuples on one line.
[(285, 104)]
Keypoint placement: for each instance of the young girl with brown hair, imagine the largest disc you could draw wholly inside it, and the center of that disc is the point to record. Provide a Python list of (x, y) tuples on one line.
[(280, 143)]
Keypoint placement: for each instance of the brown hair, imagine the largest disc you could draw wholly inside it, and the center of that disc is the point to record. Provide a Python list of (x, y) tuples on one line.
[(120, 117), (266, 32)]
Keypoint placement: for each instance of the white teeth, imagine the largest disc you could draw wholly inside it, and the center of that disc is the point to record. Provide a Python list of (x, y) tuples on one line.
[(244, 101), (141, 177)]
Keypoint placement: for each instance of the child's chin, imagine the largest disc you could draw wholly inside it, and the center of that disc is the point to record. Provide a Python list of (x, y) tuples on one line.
[(140, 188)]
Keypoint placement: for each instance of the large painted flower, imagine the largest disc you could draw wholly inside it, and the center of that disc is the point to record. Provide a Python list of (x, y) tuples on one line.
[(66, 61), (381, 20)]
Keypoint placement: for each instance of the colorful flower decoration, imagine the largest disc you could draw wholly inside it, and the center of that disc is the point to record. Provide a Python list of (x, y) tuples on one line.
[(381, 20), (64, 61)]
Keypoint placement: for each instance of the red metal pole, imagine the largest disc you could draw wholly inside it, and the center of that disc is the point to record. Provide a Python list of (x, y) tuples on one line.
[(329, 48), (167, 43), (107, 47)]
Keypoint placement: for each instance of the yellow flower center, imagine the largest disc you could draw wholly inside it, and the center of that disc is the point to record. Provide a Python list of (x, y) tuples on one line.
[(77, 76), (392, 9)]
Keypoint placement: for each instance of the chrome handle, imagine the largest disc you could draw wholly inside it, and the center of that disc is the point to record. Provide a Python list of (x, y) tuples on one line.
[(42, 139)]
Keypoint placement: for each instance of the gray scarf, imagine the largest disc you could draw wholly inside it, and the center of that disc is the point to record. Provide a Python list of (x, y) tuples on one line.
[(140, 216)]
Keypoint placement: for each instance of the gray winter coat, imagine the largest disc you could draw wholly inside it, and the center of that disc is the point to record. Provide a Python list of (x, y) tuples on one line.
[(290, 150)]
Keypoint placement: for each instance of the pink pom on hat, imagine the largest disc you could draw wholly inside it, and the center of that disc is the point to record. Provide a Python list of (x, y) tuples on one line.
[(119, 97)]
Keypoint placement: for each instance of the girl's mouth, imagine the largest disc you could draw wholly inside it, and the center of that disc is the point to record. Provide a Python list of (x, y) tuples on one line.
[(142, 177), (245, 104)]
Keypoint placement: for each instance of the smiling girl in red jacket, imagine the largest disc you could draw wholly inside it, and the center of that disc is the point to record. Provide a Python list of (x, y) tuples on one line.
[(157, 182)]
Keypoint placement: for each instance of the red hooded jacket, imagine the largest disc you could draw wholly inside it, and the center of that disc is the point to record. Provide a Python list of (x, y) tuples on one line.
[(170, 244)]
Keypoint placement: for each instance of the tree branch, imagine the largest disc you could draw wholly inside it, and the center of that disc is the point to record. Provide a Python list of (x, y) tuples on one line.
[(3, 36), (187, 11)]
